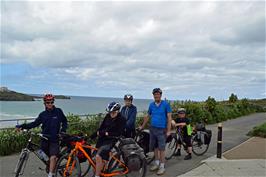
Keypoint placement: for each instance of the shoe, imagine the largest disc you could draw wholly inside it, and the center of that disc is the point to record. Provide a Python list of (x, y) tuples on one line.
[(154, 167), (161, 171), (188, 157), (178, 153)]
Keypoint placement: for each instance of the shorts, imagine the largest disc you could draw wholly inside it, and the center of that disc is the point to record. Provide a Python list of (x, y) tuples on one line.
[(186, 139), (104, 148), (157, 138), (104, 151), (50, 148)]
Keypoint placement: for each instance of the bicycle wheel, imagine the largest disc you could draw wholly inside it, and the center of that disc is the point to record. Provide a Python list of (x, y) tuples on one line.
[(198, 145), (142, 170), (170, 149), (22, 161), (73, 169)]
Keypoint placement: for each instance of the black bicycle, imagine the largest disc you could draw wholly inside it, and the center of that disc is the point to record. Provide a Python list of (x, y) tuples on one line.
[(201, 139), (31, 147), (143, 138)]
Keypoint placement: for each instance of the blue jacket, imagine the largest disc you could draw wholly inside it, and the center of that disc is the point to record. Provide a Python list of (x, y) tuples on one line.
[(130, 113), (53, 122)]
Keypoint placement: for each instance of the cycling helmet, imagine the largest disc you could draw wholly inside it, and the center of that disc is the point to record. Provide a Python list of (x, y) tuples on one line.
[(113, 106), (157, 90), (181, 110), (128, 97), (49, 97)]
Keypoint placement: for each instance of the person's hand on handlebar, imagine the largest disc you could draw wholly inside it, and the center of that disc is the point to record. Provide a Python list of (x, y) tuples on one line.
[(18, 128)]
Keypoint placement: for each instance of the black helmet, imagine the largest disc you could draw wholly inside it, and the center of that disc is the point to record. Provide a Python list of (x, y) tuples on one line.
[(157, 90), (113, 106), (128, 97)]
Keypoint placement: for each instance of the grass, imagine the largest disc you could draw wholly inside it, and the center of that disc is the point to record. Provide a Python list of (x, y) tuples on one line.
[(259, 131)]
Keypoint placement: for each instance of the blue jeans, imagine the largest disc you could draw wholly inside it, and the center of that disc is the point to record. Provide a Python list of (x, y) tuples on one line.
[(157, 138)]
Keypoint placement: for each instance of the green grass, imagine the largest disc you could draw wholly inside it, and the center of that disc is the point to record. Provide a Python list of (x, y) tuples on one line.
[(259, 131)]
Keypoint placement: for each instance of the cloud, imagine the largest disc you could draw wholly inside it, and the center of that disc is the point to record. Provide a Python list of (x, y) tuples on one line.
[(189, 48)]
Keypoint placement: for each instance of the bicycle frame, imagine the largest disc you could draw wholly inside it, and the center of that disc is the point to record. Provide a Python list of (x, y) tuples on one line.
[(30, 147), (80, 147)]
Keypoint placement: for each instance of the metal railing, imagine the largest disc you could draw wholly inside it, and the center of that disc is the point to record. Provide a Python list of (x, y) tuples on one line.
[(33, 118)]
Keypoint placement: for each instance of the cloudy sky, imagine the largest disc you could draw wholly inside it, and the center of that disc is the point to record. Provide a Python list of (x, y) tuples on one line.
[(189, 49)]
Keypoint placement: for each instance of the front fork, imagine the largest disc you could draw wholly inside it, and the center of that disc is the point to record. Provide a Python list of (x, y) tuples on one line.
[(23, 155)]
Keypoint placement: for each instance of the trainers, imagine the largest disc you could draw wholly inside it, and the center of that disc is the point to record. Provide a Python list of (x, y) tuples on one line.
[(188, 157), (161, 171), (178, 153), (154, 167)]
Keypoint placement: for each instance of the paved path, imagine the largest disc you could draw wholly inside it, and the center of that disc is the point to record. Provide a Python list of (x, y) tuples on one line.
[(246, 159), (234, 134)]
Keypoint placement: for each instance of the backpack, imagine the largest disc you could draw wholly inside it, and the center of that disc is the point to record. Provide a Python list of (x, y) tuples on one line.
[(132, 154), (144, 141), (207, 137)]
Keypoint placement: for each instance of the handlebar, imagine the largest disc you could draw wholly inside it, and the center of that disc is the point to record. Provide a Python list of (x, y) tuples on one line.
[(44, 136)]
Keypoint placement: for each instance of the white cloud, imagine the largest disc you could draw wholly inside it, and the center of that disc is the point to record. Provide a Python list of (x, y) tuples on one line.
[(140, 45)]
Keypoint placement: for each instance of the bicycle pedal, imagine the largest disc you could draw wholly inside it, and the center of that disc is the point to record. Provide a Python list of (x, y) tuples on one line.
[(41, 169)]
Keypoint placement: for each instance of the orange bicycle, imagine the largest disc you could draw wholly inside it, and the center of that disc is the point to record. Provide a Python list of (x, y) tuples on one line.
[(118, 163)]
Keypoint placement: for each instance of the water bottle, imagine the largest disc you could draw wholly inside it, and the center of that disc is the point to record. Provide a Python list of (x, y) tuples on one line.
[(42, 155)]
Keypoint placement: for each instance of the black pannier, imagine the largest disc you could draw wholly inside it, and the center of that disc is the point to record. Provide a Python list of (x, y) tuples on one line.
[(144, 141), (132, 153), (207, 137), (200, 127)]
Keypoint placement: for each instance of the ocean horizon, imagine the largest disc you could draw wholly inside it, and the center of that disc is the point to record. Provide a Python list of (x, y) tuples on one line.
[(77, 105)]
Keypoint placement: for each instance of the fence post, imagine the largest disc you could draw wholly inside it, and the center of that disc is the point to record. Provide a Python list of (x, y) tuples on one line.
[(219, 141)]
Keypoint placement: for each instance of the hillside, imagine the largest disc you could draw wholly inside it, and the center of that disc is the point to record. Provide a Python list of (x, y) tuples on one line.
[(9, 95)]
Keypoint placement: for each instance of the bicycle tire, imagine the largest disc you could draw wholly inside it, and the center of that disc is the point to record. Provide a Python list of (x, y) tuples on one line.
[(172, 147), (195, 143), (20, 163), (59, 170), (150, 158), (143, 167)]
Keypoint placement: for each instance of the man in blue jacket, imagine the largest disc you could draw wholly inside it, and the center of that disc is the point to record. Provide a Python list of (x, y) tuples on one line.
[(53, 122), (129, 111)]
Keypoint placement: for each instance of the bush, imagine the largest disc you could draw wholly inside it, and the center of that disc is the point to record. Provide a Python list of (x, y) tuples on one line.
[(259, 131), (209, 111)]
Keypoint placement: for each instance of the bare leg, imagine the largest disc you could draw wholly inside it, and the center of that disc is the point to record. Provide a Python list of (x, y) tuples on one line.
[(190, 150), (99, 165), (53, 160), (156, 154), (162, 156)]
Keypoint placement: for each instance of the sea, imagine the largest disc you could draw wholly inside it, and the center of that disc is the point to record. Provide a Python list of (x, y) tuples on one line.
[(77, 105)]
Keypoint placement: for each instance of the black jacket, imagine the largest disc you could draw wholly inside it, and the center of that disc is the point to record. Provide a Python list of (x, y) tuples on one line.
[(53, 122), (114, 126)]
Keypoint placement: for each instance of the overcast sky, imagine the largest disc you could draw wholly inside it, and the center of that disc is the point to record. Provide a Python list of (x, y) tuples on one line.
[(189, 49)]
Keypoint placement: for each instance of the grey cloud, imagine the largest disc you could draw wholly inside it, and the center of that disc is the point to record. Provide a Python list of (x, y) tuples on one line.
[(137, 46)]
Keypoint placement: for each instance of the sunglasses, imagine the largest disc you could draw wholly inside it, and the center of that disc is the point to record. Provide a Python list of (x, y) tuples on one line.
[(50, 102)]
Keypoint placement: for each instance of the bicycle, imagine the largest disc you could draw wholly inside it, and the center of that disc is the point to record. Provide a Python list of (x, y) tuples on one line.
[(200, 142), (68, 142), (30, 147), (116, 165), (142, 138)]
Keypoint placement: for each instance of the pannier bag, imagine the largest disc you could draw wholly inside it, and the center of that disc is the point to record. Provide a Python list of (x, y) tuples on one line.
[(132, 153), (144, 141), (207, 137), (200, 127)]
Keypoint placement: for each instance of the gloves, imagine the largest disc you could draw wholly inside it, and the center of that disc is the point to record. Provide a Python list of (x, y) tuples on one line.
[(93, 136), (18, 126)]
